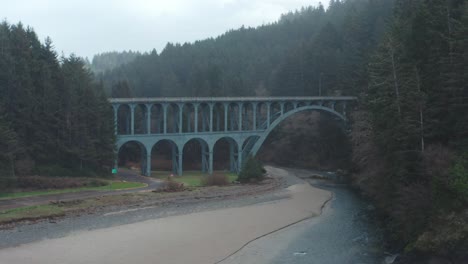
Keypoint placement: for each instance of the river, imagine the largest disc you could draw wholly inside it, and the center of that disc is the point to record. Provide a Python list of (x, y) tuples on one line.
[(345, 232)]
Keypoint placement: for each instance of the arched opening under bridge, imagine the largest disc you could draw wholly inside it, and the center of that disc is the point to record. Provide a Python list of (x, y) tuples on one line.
[(132, 155), (225, 153), (164, 158), (196, 155)]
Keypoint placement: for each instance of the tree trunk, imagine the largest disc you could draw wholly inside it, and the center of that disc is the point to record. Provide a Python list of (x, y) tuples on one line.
[(421, 114), (395, 80)]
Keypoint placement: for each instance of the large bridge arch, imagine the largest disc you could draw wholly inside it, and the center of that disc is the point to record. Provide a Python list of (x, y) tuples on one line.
[(258, 144)]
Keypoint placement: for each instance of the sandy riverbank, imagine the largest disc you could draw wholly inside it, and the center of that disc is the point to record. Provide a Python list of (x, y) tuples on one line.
[(204, 237)]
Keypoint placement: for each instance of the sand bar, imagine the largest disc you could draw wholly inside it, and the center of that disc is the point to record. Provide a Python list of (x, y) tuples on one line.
[(204, 237)]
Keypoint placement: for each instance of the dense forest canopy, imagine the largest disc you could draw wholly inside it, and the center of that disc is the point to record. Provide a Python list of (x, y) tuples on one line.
[(54, 118), (305, 51), (109, 60)]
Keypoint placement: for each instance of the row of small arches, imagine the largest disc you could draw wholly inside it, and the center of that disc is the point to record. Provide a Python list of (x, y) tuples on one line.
[(169, 118)]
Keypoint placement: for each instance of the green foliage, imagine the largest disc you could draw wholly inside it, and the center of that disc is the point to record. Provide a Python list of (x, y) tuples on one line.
[(8, 147), (51, 111), (252, 171), (306, 51), (109, 60), (416, 100), (58, 171), (459, 179)]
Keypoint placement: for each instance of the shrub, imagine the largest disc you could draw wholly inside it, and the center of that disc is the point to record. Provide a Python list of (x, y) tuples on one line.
[(42, 183), (173, 186), (58, 171), (459, 181), (252, 171), (215, 179), (7, 181)]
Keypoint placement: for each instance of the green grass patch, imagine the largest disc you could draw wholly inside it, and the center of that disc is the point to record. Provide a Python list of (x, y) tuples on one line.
[(30, 212), (190, 178), (122, 185), (112, 186)]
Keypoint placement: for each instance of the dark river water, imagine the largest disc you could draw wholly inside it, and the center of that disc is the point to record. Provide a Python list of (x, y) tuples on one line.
[(344, 233)]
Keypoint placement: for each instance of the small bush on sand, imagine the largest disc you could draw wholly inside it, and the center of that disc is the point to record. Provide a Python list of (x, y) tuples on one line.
[(173, 186), (215, 179), (252, 171)]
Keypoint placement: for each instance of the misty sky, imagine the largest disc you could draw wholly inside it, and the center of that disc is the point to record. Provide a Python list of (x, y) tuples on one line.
[(87, 27)]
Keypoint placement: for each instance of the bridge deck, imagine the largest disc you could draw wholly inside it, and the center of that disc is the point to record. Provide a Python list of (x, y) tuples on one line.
[(230, 99)]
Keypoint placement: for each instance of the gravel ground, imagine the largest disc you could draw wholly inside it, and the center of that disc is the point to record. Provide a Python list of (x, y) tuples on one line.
[(210, 198)]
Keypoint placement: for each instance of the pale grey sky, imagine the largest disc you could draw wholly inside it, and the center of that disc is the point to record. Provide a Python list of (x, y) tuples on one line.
[(87, 27)]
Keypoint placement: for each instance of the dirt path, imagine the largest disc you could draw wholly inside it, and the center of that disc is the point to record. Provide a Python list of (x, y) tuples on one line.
[(202, 237), (124, 175)]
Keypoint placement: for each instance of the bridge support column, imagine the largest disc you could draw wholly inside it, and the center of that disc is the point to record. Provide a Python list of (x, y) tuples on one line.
[(211, 116), (239, 160), (210, 162), (148, 164), (148, 118), (226, 106), (179, 169), (180, 161), (196, 117), (254, 107), (241, 105), (165, 118), (132, 119), (181, 113)]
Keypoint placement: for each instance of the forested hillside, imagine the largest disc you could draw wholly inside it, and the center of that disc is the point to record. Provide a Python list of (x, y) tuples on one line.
[(54, 118), (303, 52), (109, 60), (410, 137), (407, 60)]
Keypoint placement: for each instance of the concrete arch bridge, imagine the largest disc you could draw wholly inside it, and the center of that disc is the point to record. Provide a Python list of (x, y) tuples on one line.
[(245, 122)]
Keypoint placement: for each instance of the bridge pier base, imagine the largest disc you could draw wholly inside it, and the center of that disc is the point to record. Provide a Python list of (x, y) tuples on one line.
[(232, 158), (180, 163), (148, 165), (239, 160), (210, 163)]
